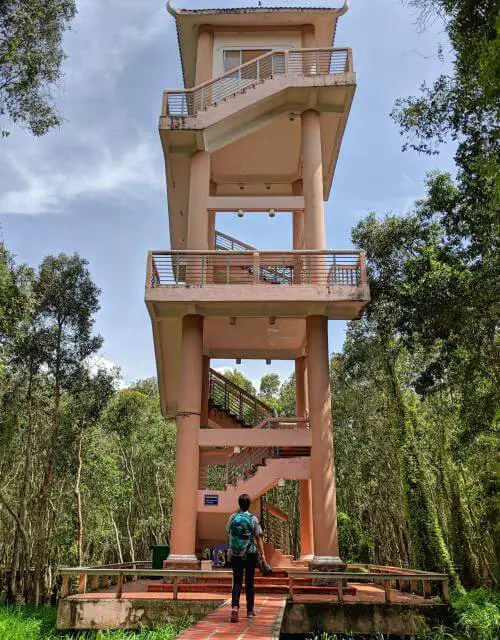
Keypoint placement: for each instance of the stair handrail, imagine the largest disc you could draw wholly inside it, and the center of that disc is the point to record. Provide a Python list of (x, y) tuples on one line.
[(248, 408), (234, 242), (205, 89), (277, 513), (244, 465), (276, 527)]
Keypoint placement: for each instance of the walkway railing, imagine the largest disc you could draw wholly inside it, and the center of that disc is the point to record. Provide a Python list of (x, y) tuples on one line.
[(81, 580), (424, 582), (245, 464), (240, 405), (276, 526), (286, 268), (293, 62)]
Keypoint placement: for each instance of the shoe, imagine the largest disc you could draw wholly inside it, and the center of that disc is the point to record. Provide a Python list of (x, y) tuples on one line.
[(234, 616), (251, 614)]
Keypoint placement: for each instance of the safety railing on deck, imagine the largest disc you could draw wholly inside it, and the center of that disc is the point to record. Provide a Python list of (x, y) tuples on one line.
[(287, 268), (240, 405), (276, 527), (292, 62)]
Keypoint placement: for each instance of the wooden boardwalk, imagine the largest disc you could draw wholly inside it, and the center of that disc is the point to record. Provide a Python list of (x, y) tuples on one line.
[(266, 626)]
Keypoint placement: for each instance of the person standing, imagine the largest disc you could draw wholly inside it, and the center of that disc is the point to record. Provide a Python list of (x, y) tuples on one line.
[(245, 542)]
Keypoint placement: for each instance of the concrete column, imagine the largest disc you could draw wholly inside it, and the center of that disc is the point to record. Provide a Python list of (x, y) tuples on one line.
[(204, 55), (298, 229), (308, 36), (324, 503), (199, 186), (205, 391), (183, 535), (312, 176), (305, 500)]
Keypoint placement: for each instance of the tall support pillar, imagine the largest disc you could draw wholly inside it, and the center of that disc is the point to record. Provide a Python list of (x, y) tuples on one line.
[(183, 535), (324, 503), (199, 188), (205, 391), (305, 500), (312, 177)]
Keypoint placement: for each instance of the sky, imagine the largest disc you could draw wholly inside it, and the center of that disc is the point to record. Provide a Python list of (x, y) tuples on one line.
[(96, 185)]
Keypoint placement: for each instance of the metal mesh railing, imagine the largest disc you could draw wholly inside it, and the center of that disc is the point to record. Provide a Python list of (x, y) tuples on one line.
[(305, 62), (292, 268)]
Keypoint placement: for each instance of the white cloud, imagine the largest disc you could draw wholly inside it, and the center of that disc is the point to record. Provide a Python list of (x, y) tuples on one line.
[(98, 363), (123, 175)]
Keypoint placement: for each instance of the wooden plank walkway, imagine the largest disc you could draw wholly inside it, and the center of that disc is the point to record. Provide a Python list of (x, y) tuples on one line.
[(266, 626)]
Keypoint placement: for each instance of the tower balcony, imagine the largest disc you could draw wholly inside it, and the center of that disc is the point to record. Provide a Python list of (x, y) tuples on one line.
[(299, 68), (285, 284)]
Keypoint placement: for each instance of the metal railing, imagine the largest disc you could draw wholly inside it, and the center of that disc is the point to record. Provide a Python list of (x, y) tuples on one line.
[(287, 268), (240, 405), (224, 242), (292, 62), (276, 527), (245, 464)]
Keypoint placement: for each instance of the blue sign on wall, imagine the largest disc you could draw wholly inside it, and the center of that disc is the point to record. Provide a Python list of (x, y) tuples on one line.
[(211, 500)]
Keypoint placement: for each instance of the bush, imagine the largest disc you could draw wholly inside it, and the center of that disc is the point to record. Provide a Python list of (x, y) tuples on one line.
[(478, 614)]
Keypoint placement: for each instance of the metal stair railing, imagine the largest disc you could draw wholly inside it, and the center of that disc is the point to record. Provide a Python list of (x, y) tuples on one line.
[(245, 464), (327, 61), (276, 527), (240, 405)]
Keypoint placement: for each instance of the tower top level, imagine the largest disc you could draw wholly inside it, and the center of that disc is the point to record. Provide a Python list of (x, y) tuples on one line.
[(321, 20)]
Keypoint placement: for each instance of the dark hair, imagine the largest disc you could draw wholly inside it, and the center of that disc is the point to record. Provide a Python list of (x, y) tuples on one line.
[(244, 501)]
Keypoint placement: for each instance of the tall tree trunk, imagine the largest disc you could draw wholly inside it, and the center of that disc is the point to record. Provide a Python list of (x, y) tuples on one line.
[(117, 536), (428, 545), (78, 498), (21, 563)]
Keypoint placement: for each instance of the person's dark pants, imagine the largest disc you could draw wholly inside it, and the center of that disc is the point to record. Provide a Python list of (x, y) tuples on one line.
[(242, 565)]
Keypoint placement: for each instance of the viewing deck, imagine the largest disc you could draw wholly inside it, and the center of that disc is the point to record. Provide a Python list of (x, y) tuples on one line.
[(227, 283)]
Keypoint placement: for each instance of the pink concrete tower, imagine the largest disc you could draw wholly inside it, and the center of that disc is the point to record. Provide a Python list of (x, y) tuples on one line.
[(257, 128)]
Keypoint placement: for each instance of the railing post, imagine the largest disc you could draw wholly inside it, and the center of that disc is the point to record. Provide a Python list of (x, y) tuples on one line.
[(119, 589), (203, 270), (287, 62), (65, 586), (227, 269), (340, 589), (175, 587), (256, 267), (362, 268), (445, 591), (82, 582), (387, 591)]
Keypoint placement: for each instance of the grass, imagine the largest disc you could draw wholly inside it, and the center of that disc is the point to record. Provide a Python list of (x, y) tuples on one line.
[(29, 623)]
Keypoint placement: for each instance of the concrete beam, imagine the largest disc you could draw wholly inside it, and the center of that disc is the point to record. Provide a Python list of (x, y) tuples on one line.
[(254, 438), (249, 203)]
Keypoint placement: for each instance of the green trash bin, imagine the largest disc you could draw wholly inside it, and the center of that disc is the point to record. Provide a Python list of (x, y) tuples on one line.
[(160, 553)]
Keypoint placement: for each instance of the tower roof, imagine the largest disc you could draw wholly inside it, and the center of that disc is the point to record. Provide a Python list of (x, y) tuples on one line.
[(188, 22)]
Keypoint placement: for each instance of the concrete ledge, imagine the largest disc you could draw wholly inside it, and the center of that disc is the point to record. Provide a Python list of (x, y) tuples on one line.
[(110, 613), (363, 618)]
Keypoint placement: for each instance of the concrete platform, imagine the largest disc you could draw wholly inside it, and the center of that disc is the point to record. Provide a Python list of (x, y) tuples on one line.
[(365, 611)]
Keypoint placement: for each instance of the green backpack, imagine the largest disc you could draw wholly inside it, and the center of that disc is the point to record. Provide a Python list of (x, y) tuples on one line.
[(241, 534)]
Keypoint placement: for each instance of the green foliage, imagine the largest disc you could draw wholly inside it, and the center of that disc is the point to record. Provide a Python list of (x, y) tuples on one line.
[(31, 56), (478, 614), (28, 623), (240, 380)]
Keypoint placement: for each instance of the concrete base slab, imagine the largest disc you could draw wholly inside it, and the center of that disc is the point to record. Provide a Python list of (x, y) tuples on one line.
[(363, 618), (110, 613)]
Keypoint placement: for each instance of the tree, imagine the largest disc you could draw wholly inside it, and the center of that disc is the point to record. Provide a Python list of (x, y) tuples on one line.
[(239, 379), (31, 56), (269, 386)]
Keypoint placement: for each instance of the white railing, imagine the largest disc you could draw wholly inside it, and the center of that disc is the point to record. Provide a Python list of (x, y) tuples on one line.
[(291, 62), (285, 268)]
